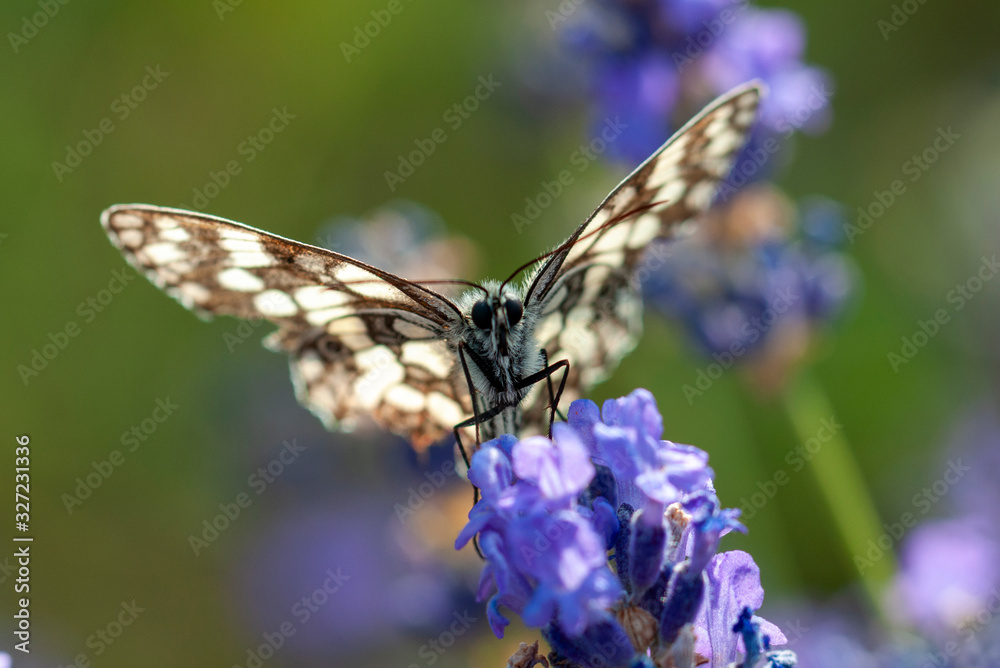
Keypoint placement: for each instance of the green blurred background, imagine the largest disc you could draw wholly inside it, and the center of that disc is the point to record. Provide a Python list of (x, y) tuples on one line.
[(351, 120)]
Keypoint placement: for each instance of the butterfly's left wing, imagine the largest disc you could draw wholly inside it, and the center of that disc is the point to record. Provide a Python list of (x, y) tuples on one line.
[(585, 291), (364, 343)]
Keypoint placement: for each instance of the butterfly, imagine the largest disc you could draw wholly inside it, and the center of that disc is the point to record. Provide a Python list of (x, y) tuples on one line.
[(367, 344)]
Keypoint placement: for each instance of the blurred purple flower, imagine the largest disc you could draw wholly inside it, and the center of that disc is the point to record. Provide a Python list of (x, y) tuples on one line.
[(975, 441), (949, 574), (552, 509), (650, 62), (746, 289), (769, 45)]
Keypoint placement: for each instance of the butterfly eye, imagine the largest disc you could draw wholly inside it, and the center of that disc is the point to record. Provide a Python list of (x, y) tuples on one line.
[(482, 315), (514, 311)]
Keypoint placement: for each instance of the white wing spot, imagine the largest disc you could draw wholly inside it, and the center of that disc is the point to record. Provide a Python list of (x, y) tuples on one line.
[(622, 199), (163, 253), (349, 273), (375, 288), (406, 398), (240, 280), (671, 192), (165, 222), (128, 220), (644, 230), (444, 409), (255, 259), (744, 117), (720, 122), (311, 263), (350, 325), (275, 303), (175, 234), (613, 238), (243, 235), (429, 355), (319, 297), (357, 341), (323, 316), (700, 195), (673, 154), (131, 237), (725, 143), (311, 367), (550, 328), (241, 245), (196, 292), (380, 370)]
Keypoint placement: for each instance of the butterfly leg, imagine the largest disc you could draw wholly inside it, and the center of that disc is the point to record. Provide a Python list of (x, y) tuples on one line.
[(554, 396), (546, 374), (475, 408), (475, 420)]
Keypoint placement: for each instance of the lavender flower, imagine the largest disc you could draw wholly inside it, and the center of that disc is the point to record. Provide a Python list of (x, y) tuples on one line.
[(947, 591), (746, 290), (552, 510), (940, 599), (650, 62)]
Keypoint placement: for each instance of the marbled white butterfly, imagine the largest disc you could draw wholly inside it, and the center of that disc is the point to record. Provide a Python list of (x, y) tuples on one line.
[(365, 343)]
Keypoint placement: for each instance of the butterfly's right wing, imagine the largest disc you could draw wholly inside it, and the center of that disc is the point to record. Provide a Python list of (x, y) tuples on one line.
[(363, 342), (586, 290)]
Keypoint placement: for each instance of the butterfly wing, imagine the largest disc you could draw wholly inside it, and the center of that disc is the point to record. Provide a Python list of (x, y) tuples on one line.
[(586, 290), (363, 342)]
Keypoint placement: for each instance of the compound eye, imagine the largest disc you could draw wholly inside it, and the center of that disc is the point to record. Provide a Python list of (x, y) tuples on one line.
[(514, 311), (482, 315)]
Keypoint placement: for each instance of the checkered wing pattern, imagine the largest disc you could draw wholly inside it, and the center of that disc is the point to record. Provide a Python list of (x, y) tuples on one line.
[(363, 342), (586, 291)]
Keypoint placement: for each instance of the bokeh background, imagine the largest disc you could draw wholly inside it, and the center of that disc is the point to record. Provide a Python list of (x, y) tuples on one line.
[(335, 506)]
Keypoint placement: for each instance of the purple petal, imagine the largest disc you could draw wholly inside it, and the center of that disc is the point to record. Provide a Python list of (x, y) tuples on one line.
[(733, 584)]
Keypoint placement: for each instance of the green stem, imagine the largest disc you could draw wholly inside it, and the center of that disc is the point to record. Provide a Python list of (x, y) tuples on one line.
[(842, 485)]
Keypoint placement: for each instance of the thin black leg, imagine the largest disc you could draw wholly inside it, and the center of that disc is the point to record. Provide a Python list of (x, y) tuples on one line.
[(554, 396)]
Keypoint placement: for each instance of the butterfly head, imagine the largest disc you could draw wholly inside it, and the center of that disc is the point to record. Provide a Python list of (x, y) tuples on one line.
[(494, 314)]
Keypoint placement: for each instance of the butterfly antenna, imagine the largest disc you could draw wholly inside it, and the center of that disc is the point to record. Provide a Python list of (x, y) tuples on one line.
[(451, 281), (571, 242)]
